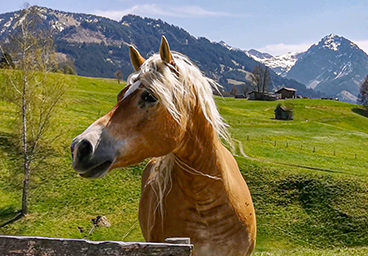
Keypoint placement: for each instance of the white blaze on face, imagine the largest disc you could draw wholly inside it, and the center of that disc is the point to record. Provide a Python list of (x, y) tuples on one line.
[(92, 134), (132, 89)]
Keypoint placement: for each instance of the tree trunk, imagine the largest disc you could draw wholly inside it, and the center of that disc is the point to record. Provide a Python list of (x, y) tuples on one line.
[(264, 78), (25, 196), (26, 156)]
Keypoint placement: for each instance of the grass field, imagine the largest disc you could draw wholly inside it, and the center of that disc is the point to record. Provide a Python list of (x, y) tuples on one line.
[(308, 177), (325, 135)]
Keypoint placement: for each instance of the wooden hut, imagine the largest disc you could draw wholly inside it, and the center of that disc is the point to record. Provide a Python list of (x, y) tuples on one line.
[(284, 113), (286, 93)]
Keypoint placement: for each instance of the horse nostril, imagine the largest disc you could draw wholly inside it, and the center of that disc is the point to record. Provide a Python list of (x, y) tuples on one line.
[(84, 150)]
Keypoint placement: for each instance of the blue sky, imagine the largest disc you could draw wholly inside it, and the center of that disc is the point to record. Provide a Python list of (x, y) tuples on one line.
[(276, 27)]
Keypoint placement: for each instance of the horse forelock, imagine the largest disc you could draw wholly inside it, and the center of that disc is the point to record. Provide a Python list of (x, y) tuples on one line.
[(180, 92)]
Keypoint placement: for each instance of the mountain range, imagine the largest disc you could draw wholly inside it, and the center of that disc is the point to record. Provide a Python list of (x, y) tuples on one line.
[(98, 47), (334, 66)]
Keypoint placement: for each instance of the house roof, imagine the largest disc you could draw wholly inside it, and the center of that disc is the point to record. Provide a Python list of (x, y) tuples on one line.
[(287, 89)]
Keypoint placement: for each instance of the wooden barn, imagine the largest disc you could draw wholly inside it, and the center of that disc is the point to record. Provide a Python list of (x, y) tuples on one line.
[(286, 93)]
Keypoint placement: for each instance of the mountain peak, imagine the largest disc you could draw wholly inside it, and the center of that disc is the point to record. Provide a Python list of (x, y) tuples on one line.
[(330, 36), (334, 66), (259, 55), (332, 42)]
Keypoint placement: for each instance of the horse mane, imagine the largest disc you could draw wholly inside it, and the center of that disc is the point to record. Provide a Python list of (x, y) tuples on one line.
[(181, 91)]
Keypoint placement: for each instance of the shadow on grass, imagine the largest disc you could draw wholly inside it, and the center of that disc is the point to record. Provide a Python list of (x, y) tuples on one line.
[(8, 144), (361, 111), (11, 152), (327, 203), (13, 158), (9, 214)]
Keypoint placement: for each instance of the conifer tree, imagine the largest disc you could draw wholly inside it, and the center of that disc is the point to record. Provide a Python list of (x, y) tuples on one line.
[(363, 93)]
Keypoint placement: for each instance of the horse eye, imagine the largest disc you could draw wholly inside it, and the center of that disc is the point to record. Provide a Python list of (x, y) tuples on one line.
[(148, 97)]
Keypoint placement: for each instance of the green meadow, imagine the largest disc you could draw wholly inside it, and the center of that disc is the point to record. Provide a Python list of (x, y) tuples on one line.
[(308, 177), (328, 135)]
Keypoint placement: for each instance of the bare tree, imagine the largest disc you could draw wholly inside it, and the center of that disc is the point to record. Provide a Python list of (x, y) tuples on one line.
[(260, 79), (363, 93), (119, 76), (234, 91), (35, 92)]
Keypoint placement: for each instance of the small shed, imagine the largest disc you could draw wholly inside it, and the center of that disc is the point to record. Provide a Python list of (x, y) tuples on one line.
[(284, 113), (286, 93)]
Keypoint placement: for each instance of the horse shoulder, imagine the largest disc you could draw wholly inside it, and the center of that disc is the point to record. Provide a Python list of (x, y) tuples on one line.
[(238, 192)]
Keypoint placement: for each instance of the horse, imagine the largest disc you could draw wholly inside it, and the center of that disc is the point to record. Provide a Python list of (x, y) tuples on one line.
[(192, 186)]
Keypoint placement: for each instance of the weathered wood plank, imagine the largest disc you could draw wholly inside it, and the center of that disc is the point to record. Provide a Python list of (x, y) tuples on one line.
[(34, 246), (178, 240)]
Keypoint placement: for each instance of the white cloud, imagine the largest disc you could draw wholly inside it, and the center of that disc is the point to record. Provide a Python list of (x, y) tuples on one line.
[(196, 11), (115, 15), (362, 45), (279, 49), (153, 10)]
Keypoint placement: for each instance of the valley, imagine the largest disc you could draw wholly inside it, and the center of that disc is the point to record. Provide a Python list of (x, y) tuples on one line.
[(306, 202)]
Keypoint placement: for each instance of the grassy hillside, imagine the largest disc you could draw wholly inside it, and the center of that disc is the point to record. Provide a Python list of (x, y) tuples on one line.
[(327, 135), (307, 177)]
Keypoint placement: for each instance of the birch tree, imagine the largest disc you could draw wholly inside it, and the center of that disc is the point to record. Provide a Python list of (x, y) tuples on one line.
[(35, 92)]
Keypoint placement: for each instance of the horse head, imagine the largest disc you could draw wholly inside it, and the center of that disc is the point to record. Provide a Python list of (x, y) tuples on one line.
[(138, 127)]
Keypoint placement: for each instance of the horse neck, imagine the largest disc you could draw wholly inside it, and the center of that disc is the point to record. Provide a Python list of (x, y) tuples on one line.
[(196, 159)]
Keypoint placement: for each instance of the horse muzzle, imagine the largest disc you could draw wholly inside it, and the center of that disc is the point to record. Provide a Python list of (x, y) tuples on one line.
[(93, 153)]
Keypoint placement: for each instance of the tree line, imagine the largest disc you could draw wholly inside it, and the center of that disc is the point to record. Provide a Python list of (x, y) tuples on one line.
[(363, 93)]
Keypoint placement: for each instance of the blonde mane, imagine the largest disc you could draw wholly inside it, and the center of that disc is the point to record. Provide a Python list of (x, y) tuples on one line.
[(180, 92), (180, 88)]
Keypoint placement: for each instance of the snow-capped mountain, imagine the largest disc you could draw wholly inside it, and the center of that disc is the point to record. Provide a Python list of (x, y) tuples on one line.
[(335, 66), (281, 64), (100, 46), (56, 21)]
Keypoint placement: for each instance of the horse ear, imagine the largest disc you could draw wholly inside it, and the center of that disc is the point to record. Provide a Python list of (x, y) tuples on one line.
[(165, 51), (136, 58)]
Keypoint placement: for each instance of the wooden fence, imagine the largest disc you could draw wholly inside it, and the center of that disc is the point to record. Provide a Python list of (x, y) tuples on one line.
[(42, 246)]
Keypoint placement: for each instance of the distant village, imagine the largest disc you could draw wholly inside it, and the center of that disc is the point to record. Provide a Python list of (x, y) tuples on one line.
[(281, 94)]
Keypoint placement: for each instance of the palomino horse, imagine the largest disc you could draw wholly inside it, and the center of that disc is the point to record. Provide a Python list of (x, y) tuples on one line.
[(192, 187)]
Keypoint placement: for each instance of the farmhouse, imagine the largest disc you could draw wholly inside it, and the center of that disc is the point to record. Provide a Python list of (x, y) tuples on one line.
[(261, 96), (286, 93)]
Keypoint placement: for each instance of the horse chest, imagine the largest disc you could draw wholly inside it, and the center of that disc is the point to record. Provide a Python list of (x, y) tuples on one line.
[(202, 213)]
